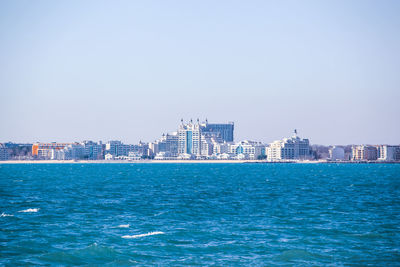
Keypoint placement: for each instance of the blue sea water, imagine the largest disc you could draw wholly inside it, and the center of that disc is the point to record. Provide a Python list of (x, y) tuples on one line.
[(200, 214)]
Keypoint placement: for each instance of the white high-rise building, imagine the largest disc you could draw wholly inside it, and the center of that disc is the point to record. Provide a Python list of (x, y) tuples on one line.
[(189, 138), (292, 148)]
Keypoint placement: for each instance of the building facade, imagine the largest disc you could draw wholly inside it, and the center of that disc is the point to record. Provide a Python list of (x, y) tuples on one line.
[(364, 152), (223, 130), (43, 146), (4, 155), (168, 144), (388, 153), (292, 148), (336, 153), (246, 150), (189, 138)]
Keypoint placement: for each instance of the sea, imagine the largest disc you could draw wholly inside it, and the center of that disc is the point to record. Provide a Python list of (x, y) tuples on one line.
[(243, 214)]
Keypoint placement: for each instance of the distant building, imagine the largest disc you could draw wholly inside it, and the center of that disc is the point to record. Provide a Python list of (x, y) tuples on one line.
[(4, 155), (92, 150), (164, 156), (117, 148), (388, 153), (223, 130), (189, 137), (42, 148), (68, 151), (75, 152), (220, 148), (199, 139), (168, 143), (134, 156), (364, 152), (246, 150), (46, 153), (336, 153), (108, 156), (292, 148)]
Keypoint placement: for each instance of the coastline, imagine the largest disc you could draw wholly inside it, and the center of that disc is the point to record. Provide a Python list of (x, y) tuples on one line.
[(187, 161)]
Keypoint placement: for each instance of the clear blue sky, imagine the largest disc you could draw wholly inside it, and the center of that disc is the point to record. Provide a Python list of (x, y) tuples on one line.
[(130, 70)]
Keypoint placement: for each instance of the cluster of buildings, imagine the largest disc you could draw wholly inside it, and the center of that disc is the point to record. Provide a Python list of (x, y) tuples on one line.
[(192, 140), (203, 140), (375, 153)]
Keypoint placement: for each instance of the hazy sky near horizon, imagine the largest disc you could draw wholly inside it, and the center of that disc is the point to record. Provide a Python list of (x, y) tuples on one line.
[(130, 70)]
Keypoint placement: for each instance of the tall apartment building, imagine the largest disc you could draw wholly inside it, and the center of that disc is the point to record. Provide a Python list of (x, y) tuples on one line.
[(292, 148), (223, 130), (388, 153), (4, 155), (199, 138), (364, 152), (92, 150), (168, 143), (189, 137)]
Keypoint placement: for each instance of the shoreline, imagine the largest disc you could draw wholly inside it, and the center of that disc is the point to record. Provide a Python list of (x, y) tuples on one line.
[(187, 161)]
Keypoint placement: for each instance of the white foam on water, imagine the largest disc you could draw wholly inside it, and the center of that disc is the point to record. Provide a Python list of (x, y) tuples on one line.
[(29, 210), (143, 235), (123, 226), (6, 215), (158, 214)]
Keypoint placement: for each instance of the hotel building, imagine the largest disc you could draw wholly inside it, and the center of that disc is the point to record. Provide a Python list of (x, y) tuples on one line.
[(364, 152), (223, 130), (292, 148), (189, 137), (246, 150), (41, 147), (388, 153)]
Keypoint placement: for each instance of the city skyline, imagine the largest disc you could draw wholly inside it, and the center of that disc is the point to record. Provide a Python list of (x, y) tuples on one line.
[(176, 131), (202, 140), (125, 70)]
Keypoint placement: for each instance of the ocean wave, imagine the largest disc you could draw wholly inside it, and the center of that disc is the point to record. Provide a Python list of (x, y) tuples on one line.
[(29, 210), (143, 235), (123, 226), (160, 213), (6, 215)]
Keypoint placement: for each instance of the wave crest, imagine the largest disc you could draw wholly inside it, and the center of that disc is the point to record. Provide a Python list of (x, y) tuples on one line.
[(29, 210), (143, 235)]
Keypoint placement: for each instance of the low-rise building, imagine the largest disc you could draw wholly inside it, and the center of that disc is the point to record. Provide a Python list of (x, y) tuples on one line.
[(246, 150), (46, 147)]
